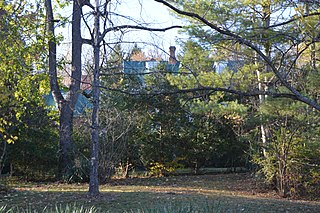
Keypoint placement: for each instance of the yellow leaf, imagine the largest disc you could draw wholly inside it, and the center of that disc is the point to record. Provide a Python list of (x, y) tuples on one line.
[(10, 141)]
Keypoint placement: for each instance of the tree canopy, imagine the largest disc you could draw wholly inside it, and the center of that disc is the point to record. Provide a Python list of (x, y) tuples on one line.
[(246, 93)]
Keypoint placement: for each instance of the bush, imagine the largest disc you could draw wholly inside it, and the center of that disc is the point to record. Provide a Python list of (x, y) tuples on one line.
[(35, 153), (163, 169), (290, 160)]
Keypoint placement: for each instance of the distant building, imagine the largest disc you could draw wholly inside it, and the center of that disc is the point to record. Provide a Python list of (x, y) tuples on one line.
[(140, 68), (83, 103), (232, 65), (86, 81), (136, 68)]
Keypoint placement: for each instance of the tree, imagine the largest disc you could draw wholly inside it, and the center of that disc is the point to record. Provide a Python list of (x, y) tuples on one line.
[(18, 63), (275, 58), (23, 82), (94, 177), (288, 162), (118, 118), (217, 118), (66, 105), (24, 143), (277, 31)]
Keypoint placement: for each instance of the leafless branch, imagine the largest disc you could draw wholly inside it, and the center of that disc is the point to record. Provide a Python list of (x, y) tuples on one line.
[(117, 28), (199, 89), (295, 94)]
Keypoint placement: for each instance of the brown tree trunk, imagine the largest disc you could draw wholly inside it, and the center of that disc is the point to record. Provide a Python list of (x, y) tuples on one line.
[(283, 182), (66, 105), (94, 176), (66, 143)]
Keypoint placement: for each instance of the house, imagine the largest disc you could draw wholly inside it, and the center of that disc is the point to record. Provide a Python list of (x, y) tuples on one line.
[(141, 68), (232, 65), (136, 68), (82, 104)]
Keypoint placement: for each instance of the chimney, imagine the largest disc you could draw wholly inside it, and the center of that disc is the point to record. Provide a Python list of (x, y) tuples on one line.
[(172, 59)]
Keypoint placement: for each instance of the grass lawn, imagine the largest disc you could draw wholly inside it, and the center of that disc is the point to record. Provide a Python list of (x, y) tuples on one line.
[(209, 193)]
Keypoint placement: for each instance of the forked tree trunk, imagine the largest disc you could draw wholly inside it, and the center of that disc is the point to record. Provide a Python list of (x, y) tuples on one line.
[(66, 105)]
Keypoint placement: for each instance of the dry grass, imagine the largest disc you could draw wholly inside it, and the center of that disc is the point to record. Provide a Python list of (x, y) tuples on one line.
[(231, 191)]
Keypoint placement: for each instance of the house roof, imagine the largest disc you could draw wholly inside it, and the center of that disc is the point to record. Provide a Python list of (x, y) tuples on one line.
[(82, 104), (136, 67)]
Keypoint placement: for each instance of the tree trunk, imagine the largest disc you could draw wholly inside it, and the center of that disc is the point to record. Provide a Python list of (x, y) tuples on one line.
[(76, 53), (282, 179), (66, 144), (54, 85), (267, 50), (66, 105), (3, 156), (94, 176)]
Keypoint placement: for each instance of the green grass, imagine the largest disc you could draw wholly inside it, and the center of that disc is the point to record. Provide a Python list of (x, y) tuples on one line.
[(206, 193)]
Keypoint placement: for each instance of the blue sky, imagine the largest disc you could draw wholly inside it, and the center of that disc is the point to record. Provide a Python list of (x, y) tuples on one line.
[(147, 12), (155, 15)]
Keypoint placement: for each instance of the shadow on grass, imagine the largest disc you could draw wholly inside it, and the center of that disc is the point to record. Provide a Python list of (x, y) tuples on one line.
[(241, 183), (120, 201)]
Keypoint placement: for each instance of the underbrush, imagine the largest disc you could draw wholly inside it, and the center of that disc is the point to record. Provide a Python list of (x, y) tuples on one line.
[(161, 207)]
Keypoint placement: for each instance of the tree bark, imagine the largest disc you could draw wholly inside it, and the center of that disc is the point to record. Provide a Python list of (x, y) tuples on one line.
[(66, 105), (94, 176), (266, 9), (66, 162)]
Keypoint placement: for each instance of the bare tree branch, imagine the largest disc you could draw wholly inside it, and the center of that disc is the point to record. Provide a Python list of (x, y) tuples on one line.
[(117, 28), (293, 19), (296, 94), (202, 89), (54, 85), (87, 41)]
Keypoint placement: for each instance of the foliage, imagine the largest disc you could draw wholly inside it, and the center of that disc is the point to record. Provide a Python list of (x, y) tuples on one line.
[(171, 130), (159, 169), (172, 207), (75, 208), (34, 155), (20, 51), (215, 119), (288, 161), (203, 62), (117, 118), (25, 123), (251, 51)]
